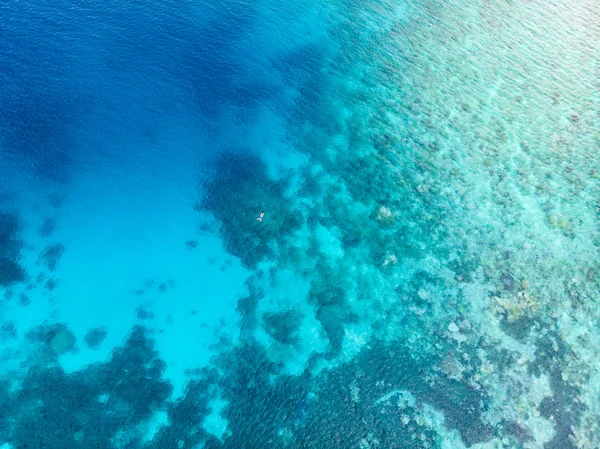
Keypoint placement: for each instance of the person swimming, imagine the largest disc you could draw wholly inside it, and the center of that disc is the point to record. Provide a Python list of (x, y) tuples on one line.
[(260, 217)]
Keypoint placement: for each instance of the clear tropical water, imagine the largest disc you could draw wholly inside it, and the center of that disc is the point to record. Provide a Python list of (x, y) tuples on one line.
[(427, 270)]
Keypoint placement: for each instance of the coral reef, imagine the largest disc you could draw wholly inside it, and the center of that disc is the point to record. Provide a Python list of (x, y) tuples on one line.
[(11, 271), (237, 192), (283, 326), (51, 255), (95, 337)]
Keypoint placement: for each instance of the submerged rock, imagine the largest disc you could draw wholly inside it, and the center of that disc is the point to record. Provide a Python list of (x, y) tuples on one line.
[(51, 255), (62, 342), (508, 281), (452, 327), (384, 215)]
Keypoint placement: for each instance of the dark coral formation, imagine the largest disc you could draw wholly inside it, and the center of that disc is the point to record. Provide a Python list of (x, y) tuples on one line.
[(191, 244), (563, 405), (51, 255), (11, 272), (95, 337), (47, 227), (257, 407), (185, 418), (355, 403), (143, 314), (240, 189), (283, 326), (8, 330), (56, 339), (347, 406), (88, 408), (51, 284)]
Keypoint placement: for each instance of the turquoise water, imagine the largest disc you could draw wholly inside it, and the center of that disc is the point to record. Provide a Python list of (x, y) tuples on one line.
[(426, 272)]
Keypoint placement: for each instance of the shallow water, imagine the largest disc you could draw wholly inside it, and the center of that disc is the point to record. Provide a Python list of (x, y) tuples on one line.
[(426, 274)]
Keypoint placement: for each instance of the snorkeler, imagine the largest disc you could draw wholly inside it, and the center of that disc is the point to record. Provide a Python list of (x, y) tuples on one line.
[(260, 217)]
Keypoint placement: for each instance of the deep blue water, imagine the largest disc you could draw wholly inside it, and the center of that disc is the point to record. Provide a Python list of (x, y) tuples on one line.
[(424, 273), (81, 78)]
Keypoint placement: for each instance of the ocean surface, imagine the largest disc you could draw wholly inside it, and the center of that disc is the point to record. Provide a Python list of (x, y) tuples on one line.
[(425, 269)]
